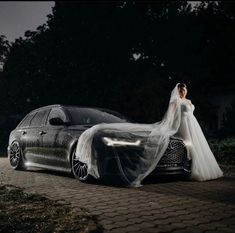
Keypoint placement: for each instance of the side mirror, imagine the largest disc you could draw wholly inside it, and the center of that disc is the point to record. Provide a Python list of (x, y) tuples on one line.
[(57, 121)]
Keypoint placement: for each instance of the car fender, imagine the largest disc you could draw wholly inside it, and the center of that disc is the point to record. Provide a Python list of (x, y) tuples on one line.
[(72, 146)]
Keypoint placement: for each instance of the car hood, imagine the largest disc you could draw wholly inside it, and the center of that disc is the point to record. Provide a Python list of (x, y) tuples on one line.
[(115, 133)]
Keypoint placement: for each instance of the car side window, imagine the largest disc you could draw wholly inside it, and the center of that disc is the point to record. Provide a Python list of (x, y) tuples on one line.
[(39, 118), (56, 112), (26, 121)]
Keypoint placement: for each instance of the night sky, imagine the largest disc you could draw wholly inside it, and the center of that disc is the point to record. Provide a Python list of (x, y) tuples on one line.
[(18, 17)]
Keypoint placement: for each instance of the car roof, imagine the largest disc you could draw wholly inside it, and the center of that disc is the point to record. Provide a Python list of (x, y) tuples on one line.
[(66, 106)]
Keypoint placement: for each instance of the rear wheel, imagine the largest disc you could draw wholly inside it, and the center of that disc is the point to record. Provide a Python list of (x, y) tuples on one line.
[(15, 156), (79, 169)]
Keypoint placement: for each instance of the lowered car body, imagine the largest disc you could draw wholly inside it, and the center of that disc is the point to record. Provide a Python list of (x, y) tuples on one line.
[(47, 138)]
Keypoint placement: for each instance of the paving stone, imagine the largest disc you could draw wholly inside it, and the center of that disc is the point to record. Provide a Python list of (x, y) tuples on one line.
[(110, 226), (119, 218), (124, 223), (149, 230), (176, 206), (136, 220), (165, 228), (127, 229), (225, 230), (146, 225), (116, 230), (106, 222)]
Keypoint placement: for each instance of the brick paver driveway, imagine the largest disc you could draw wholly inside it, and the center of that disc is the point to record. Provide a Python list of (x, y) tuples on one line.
[(158, 206)]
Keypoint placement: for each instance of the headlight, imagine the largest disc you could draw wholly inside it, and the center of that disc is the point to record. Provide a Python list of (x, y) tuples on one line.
[(120, 142)]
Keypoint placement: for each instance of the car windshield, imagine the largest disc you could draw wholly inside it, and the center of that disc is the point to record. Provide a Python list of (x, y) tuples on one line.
[(87, 116)]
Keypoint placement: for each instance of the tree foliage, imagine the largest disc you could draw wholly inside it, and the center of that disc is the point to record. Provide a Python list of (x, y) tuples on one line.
[(124, 55), (4, 48)]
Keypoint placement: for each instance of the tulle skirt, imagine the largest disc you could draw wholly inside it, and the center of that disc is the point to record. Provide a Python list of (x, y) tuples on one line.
[(204, 164)]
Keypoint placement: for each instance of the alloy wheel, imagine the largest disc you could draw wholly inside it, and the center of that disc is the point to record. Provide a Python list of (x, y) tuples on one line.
[(80, 169), (15, 156)]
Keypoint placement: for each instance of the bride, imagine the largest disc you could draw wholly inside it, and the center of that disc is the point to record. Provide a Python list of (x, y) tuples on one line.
[(177, 121), (204, 165)]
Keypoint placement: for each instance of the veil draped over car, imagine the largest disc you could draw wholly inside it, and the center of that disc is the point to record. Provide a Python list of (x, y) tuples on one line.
[(155, 139)]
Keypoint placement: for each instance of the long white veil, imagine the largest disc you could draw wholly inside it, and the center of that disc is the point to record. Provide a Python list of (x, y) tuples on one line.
[(155, 136)]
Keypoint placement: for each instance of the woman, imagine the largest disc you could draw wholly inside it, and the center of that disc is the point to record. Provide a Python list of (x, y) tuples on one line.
[(204, 165), (178, 120)]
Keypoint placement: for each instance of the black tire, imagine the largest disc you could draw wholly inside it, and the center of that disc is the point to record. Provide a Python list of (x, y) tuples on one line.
[(186, 176), (79, 169), (15, 156)]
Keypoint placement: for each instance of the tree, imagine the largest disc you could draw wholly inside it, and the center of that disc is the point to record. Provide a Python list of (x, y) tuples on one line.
[(121, 55), (4, 48)]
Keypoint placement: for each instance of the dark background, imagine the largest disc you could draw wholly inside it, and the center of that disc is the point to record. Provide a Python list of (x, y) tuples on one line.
[(126, 56)]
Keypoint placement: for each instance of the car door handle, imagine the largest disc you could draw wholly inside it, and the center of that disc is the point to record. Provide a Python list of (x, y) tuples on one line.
[(42, 132), (23, 132)]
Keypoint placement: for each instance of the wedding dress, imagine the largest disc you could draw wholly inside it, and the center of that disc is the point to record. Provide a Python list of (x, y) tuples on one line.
[(204, 165), (178, 120)]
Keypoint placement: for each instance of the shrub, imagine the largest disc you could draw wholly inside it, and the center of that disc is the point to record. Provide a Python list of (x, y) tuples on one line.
[(224, 150)]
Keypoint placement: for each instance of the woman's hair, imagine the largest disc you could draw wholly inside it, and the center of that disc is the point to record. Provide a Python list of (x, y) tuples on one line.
[(181, 86)]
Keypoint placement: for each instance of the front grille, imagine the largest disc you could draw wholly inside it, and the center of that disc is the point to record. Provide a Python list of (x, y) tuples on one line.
[(175, 153)]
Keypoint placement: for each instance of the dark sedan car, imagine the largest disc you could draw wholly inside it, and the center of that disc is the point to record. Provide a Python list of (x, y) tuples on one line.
[(47, 138)]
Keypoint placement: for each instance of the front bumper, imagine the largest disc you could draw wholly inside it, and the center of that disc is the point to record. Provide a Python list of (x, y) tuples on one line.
[(114, 161)]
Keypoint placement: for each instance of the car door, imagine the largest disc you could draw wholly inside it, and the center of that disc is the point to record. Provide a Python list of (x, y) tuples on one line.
[(55, 141), (25, 132), (34, 150)]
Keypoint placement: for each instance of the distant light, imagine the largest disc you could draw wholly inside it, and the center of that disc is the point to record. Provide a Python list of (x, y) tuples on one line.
[(145, 57), (1, 66), (136, 56), (123, 5), (162, 64), (194, 4)]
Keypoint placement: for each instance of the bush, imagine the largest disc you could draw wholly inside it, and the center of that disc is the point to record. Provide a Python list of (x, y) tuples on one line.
[(224, 150)]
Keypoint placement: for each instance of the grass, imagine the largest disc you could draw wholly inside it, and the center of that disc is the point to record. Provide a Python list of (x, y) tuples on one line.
[(23, 213)]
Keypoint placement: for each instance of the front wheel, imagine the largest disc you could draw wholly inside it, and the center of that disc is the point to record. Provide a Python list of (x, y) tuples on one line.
[(15, 156), (79, 169)]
